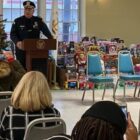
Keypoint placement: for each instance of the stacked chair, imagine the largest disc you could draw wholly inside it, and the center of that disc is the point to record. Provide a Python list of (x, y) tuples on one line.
[(126, 72), (95, 73)]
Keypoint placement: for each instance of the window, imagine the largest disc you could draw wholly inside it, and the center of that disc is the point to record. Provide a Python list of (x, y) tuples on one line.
[(11, 10), (68, 16)]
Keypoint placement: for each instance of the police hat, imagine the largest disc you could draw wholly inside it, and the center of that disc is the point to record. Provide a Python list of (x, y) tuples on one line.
[(28, 4)]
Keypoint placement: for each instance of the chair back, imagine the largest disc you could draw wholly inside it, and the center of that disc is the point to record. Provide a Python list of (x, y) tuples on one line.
[(34, 132), (59, 137), (5, 100), (125, 64), (94, 66)]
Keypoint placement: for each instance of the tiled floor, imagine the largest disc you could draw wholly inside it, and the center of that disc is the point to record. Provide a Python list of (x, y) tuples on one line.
[(69, 103)]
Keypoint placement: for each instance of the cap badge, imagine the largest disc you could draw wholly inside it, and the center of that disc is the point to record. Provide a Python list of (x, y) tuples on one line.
[(28, 3)]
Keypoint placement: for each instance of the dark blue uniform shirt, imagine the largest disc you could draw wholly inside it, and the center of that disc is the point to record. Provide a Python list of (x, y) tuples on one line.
[(28, 28), (24, 28)]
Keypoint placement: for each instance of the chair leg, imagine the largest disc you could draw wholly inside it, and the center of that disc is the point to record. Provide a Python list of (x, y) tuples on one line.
[(104, 91), (115, 88), (139, 92), (93, 90), (139, 124), (84, 91), (113, 92), (135, 89), (124, 90)]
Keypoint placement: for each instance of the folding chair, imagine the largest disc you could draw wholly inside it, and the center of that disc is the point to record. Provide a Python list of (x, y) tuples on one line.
[(5, 100), (126, 71), (139, 124), (59, 137), (34, 132), (139, 92), (95, 73)]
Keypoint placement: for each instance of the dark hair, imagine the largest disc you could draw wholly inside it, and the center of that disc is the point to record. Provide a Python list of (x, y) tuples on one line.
[(90, 128), (104, 120), (110, 112)]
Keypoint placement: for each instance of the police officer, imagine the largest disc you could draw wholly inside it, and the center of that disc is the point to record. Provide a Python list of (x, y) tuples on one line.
[(27, 27)]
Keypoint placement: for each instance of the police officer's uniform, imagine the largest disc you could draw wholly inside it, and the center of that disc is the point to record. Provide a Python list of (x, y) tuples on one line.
[(27, 28)]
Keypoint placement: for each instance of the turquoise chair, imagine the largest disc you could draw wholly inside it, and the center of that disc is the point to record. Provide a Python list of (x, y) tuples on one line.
[(126, 71), (95, 73)]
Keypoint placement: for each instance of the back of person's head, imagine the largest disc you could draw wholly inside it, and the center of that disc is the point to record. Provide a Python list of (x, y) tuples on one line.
[(102, 121), (32, 92)]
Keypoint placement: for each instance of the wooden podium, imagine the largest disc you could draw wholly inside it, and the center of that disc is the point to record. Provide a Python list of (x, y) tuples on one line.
[(37, 48)]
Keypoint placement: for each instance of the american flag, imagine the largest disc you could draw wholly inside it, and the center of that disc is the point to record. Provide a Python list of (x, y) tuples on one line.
[(54, 27)]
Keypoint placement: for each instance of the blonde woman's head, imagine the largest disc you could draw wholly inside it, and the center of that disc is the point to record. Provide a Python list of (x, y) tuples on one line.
[(32, 92)]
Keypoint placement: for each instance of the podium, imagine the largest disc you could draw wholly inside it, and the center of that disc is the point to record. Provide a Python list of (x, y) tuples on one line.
[(38, 48)]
